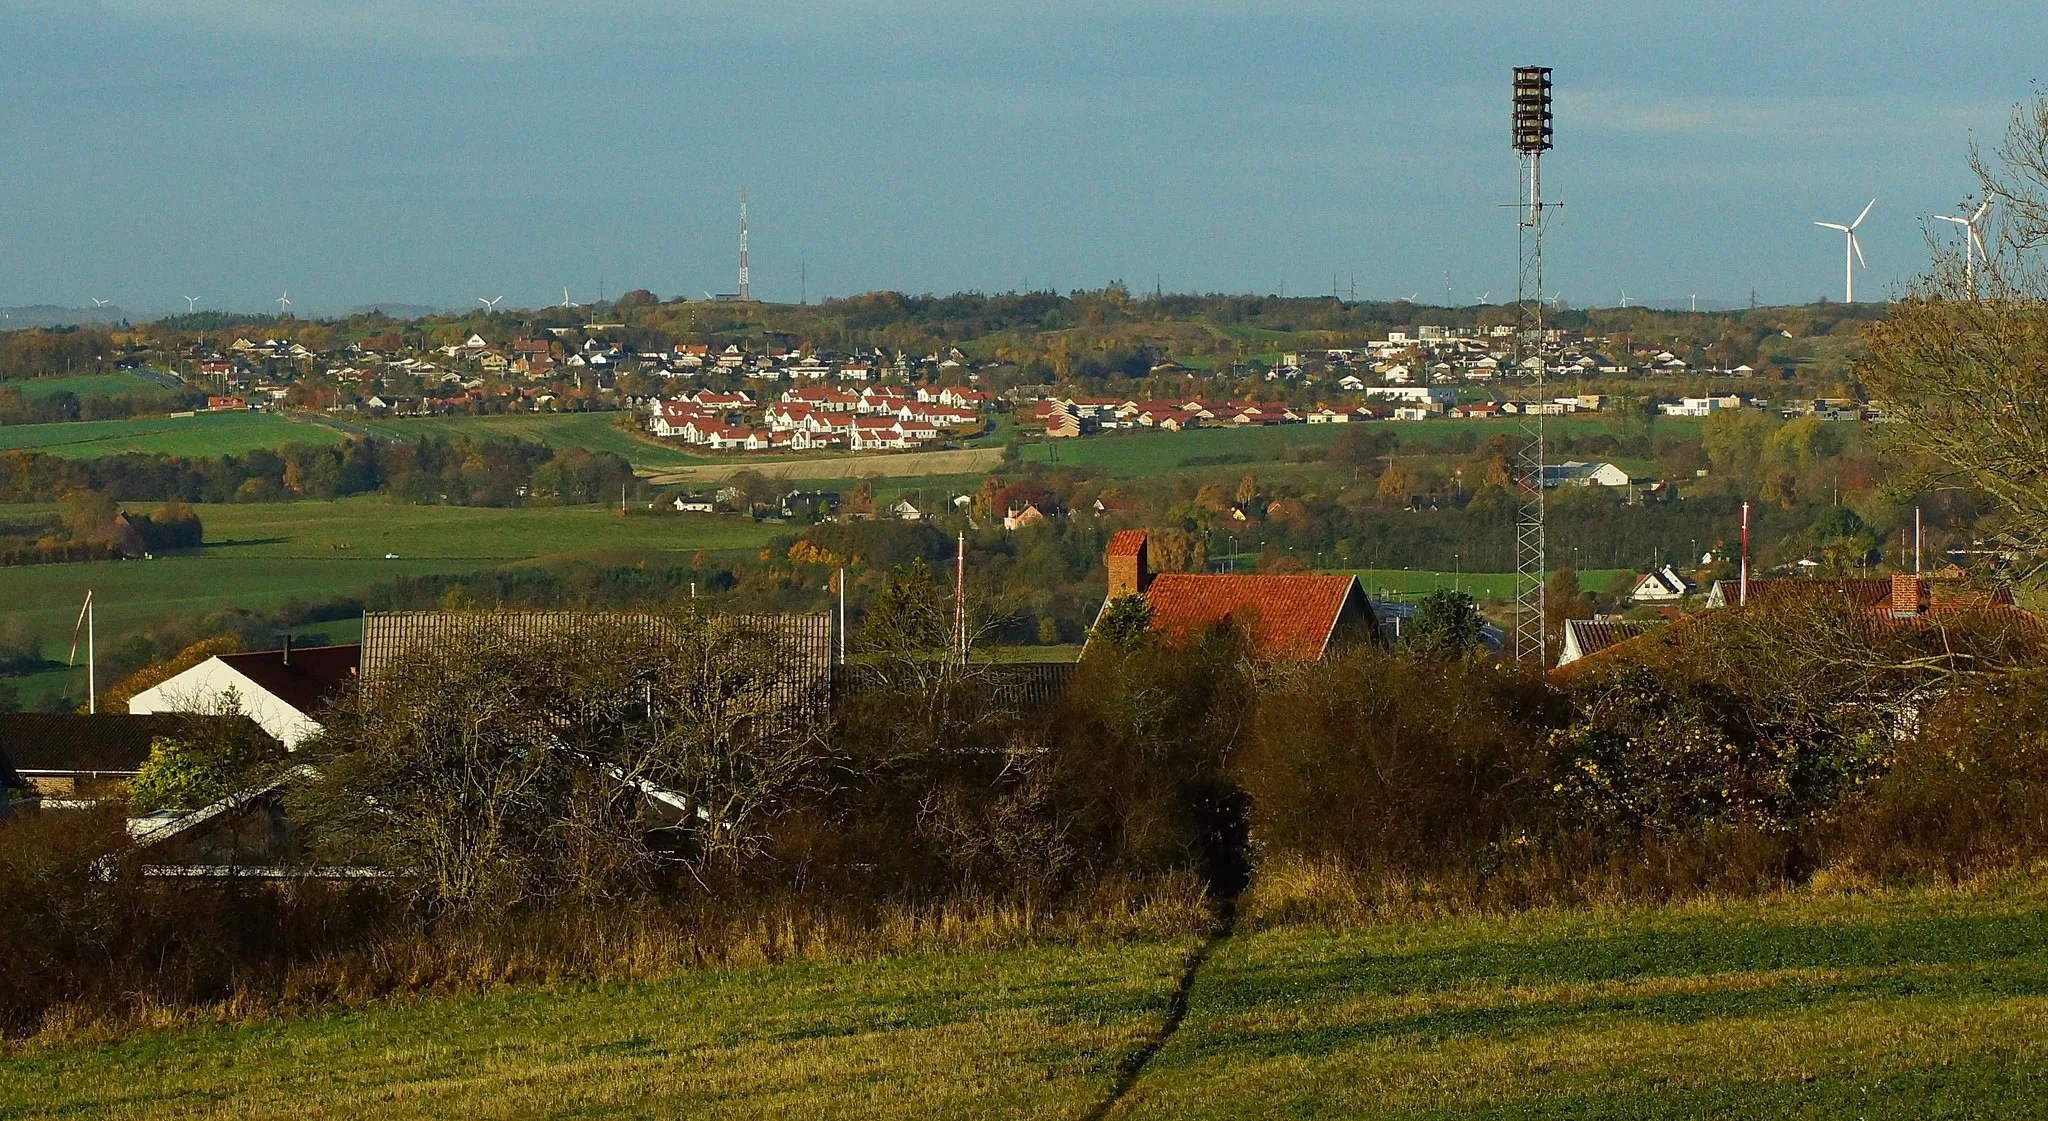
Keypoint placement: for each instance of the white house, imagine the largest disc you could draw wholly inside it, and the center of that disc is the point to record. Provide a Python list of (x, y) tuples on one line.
[(283, 691), (1662, 586)]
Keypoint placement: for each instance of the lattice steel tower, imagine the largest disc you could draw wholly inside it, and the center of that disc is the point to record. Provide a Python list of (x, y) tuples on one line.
[(1531, 135), (744, 294)]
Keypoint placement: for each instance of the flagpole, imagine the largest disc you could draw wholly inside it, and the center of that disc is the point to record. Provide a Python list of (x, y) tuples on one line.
[(92, 686)]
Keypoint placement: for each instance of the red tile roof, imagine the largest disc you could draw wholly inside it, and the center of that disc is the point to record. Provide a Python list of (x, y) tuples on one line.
[(1126, 542), (1283, 617)]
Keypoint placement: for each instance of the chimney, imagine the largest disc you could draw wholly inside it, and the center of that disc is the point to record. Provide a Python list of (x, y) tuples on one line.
[(1129, 574), (1906, 589)]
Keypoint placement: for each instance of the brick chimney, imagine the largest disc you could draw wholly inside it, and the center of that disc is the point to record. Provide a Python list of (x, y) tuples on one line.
[(1129, 574), (1906, 589)]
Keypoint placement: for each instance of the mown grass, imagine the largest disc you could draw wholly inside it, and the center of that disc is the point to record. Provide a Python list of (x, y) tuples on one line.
[(202, 435), (1019, 1033), (1908, 1005), (595, 431)]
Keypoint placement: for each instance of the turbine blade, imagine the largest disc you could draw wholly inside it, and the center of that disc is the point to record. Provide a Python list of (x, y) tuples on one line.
[(1833, 226), (1865, 214), (1957, 221), (1858, 247), (1977, 236), (1981, 211)]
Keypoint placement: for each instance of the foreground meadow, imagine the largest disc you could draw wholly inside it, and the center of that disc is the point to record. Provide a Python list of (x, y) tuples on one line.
[(1907, 1004)]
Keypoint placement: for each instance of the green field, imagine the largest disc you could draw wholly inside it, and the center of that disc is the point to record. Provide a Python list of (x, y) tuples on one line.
[(84, 385), (259, 555), (1901, 1005), (1911, 1005), (1136, 454), (202, 435), (594, 431), (1479, 585)]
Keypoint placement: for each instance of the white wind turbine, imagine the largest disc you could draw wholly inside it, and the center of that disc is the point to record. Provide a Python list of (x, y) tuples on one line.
[(1624, 297), (191, 304), (1973, 242), (1852, 251), (492, 305), (566, 301), (97, 302), (1484, 295), (284, 303)]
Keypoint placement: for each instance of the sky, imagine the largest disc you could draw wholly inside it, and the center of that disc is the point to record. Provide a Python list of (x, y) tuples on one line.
[(360, 151)]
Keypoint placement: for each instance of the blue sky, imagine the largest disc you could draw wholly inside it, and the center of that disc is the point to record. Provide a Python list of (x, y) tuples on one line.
[(389, 150)]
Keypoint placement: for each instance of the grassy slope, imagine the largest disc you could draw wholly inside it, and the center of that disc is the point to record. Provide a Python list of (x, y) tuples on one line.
[(558, 430), (1913, 1005), (1917, 1004), (1031, 1033), (84, 385), (202, 435), (1163, 453), (261, 554)]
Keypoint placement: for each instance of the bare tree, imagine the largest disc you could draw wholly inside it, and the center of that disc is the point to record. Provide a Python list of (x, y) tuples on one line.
[(1962, 361)]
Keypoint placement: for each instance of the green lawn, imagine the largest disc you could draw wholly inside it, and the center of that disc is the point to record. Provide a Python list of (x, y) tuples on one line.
[(1028, 1034), (1889, 1006), (205, 435), (594, 431), (84, 385), (1479, 585), (1885, 1004)]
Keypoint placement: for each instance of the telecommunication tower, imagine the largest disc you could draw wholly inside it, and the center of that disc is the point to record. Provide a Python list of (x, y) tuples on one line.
[(1531, 136), (744, 295)]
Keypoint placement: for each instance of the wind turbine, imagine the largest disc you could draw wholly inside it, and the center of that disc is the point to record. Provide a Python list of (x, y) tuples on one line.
[(566, 301), (1852, 252), (492, 305), (1624, 298), (191, 304), (284, 303), (97, 302), (1484, 295), (1973, 242)]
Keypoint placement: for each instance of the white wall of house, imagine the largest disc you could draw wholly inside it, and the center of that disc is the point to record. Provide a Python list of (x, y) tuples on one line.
[(205, 687)]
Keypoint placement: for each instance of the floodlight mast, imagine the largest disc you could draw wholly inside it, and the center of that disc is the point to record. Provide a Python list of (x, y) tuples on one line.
[(1531, 135)]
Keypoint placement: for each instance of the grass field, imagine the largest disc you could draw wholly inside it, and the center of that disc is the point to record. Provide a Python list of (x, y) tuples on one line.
[(1478, 585), (594, 431), (83, 385), (260, 555), (204, 435), (1910, 1005), (1884, 1005), (1031, 1033), (1166, 453)]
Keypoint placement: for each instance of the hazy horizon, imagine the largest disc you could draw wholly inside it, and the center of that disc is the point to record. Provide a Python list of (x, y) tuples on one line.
[(391, 152)]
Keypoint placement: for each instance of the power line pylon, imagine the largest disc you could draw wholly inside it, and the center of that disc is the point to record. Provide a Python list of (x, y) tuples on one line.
[(1531, 132)]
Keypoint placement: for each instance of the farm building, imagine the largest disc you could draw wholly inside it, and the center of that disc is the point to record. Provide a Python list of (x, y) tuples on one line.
[(283, 691)]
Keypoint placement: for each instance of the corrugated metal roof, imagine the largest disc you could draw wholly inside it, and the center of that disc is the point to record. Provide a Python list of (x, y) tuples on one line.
[(1283, 617)]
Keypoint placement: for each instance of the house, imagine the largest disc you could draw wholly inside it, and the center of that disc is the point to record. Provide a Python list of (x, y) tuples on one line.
[(1661, 586), (71, 755), (1583, 637), (1110, 506), (904, 510), (1581, 474), (284, 691), (221, 402), (1897, 596), (1020, 517), (695, 504), (1293, 617)]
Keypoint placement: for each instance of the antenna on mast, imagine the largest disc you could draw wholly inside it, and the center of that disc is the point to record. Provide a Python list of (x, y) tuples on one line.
[(744, 293)]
